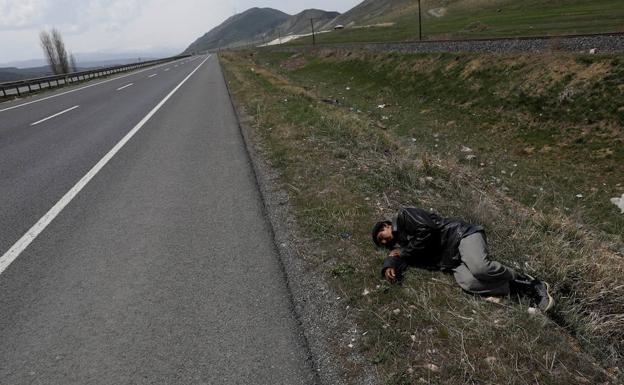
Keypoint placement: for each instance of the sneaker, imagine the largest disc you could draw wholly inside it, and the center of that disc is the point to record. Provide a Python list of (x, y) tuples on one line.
[(543, 299)]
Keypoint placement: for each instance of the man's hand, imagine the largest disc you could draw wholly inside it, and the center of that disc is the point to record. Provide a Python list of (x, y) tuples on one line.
[(390, 274), (395, 253)]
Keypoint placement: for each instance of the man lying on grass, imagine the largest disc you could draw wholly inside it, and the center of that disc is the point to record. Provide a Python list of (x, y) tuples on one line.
[(424, 239)]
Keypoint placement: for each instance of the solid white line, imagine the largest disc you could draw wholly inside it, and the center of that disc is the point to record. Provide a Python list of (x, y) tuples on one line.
[(38, 227), (126, 86), (152, 75), (82, 88), (54, 116)]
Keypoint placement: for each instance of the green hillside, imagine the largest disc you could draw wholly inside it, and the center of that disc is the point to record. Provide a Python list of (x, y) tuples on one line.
[(239, 29), (478, 18), (257, 25), (300, 23)]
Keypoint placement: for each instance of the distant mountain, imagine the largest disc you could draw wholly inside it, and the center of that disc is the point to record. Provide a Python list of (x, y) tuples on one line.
[(25, 63), (239, 29), (103, 58), (9, 74), (257, 25), (127, 56)]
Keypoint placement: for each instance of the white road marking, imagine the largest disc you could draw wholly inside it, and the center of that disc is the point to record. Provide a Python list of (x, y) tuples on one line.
[(126, 86), (19, 246), (54, 116), (167, 69), (152, 75), (82, 88)]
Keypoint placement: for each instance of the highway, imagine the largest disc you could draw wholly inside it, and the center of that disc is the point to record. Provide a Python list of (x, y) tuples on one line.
[(133, 243)]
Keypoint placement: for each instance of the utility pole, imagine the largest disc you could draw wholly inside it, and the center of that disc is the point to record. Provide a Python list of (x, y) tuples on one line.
[(313, 35), (279, 33), (419, 22)]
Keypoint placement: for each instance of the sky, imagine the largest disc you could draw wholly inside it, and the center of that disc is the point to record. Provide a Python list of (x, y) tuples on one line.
[(118, 26)]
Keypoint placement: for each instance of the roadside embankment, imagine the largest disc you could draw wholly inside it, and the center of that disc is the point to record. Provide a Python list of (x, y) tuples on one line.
[(530, 145)]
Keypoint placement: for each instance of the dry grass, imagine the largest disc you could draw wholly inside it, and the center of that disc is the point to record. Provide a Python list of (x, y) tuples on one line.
[(344, 169)]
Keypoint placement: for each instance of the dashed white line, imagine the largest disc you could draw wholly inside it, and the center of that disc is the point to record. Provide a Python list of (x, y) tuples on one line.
[(126, 86), (82, 88), (54, 116), (167, 69), (19, 246), (152, 75)]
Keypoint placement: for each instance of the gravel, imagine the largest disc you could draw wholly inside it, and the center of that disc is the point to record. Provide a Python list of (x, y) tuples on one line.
[(581, 43)]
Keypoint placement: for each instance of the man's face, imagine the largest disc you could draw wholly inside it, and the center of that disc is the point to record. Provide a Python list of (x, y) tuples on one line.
[(385, 238)]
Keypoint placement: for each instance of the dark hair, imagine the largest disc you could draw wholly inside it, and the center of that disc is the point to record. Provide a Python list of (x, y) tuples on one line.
[(377, 228)]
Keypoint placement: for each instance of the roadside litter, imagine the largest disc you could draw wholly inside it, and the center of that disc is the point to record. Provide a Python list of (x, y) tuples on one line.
[(619, 202)]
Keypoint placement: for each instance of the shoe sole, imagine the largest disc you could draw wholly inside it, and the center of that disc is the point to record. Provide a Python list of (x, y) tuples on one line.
[(551, 300)]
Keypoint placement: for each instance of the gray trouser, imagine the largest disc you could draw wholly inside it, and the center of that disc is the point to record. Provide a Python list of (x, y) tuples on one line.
[(477, 274)]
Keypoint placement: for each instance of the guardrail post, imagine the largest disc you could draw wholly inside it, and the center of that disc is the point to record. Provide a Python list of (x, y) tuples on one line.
[(3, 93), (18, 91)]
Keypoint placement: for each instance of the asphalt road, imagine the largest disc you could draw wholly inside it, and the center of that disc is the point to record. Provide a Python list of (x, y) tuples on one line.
[(161, 269)]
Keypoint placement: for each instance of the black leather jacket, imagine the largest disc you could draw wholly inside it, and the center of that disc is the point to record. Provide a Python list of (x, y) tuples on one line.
[(427, 240)]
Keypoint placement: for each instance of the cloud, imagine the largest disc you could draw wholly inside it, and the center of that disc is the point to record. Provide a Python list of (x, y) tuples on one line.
[(69, 15), (112, 14), (118, 25), (21, 14)]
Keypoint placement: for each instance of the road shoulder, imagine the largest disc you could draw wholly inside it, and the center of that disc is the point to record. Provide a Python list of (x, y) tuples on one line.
[(317, 306)]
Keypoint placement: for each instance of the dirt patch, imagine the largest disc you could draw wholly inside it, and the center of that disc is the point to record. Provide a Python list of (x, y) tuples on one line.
[(607, 130), (420, 65), (593, 73), (294, 63), (473, 66), (281, 82), (437, 12), (541, 72)]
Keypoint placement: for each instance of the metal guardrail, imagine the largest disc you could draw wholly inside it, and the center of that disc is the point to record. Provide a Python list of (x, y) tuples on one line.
[(47, 82)]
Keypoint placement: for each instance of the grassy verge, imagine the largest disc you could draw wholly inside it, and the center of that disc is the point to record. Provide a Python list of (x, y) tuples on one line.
[(486, 19), (529, 146)]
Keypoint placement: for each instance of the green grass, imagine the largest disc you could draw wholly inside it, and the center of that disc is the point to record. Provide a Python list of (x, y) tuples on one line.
[(503, 108), (486, 19), (347, 163)]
